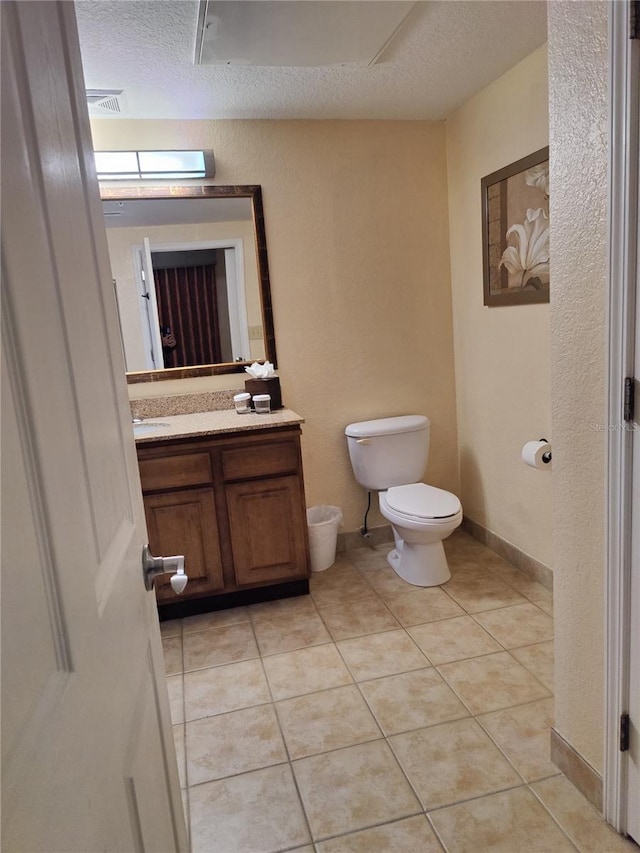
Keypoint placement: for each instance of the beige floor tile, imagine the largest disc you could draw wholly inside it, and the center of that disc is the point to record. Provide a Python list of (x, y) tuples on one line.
[(486, 593), (523, 734), (233, 743), (185, 808), (547, 606), (523, 584), (179, 742), (305, 671), (462, 546), (467, 559), (417, 606), (172, 651), (463, 568), (518, 625), (175, 688), (538, 659), (215, 619), (332, 719), (219, 645), (509, 822), (492, 682), (452, 762), (412, 700), (495, 563), (453, 639), (257, 811), (171, 628), (377, 655), (385, 581), (369, 558), (225, 688), (579, 819), (297, 605), (411, 835), (357, 618), (338, 585), (461, 541), (353, 788), (286, 633)]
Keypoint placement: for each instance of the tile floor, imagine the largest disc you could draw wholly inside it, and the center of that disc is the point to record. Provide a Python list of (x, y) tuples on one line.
[(375, 716)]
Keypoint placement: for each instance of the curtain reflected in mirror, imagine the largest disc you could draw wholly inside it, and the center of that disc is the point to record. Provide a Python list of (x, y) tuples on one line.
[(192, 308), (191, 277)]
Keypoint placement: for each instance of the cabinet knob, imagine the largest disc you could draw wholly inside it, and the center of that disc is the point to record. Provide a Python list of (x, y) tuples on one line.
[(154, 566)]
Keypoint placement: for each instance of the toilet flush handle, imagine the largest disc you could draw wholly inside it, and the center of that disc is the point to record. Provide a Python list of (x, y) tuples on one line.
[(363, 441)]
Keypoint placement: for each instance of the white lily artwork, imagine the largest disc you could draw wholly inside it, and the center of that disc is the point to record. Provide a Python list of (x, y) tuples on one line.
[(529, 258), (516, 232), (538, 177)]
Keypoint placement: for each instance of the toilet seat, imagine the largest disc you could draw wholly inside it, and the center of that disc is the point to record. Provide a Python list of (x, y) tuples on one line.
[(419, 501)]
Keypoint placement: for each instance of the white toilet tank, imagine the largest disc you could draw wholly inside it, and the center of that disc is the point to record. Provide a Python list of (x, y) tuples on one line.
[(389, 451)]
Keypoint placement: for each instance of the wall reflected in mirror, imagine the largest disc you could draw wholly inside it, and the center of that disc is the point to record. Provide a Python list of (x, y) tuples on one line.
[(187, 281)]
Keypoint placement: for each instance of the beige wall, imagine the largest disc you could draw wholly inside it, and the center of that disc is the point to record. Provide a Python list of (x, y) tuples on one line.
[(357, 234), (579, 141), (502, 355)]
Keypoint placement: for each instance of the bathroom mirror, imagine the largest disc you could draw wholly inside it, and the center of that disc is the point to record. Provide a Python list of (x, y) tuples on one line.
[(191, 275)]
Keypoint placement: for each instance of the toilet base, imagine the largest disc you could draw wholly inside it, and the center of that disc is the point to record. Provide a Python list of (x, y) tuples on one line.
[(423, 564)]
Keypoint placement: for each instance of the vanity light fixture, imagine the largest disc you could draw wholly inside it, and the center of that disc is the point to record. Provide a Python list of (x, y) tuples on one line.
[(154, 165)]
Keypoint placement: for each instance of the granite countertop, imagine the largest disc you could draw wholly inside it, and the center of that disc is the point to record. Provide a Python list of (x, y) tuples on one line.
[(214, 423)]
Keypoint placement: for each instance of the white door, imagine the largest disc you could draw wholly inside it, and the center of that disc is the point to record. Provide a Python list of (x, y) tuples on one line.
[(152, 306), (88, 761), (633, 761), (237, 301)]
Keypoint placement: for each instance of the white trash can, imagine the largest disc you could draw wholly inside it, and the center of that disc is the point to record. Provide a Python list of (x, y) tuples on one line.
[(323, 523)]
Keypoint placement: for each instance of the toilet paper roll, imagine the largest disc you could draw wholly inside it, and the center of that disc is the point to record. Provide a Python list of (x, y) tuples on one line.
[(537, 454)]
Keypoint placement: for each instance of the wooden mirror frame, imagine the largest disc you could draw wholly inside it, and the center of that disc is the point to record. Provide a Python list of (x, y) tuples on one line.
[(253, 192)]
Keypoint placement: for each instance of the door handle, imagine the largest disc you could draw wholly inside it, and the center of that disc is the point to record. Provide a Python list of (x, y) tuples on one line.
[(153, 566)]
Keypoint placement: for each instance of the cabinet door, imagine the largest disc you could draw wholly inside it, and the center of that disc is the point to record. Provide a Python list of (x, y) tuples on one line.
[(185, 523), (268, 530)]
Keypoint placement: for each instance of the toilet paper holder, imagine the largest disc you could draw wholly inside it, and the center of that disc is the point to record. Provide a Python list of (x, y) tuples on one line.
[(546, 457)]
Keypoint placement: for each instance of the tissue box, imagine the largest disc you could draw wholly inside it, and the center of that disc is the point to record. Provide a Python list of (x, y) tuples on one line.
[(269, 386)]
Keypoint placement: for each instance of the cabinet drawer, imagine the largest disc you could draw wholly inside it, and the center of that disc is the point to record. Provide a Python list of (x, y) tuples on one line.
[(170, 472), (264, 460)]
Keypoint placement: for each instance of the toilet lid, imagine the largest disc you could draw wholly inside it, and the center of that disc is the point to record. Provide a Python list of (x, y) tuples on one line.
[(422, 501)]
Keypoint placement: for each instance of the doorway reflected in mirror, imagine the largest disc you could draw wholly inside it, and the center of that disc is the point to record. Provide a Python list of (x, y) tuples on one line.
[(192, 279)]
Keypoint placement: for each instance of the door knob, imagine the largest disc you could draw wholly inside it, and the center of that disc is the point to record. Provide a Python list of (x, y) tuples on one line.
[(153, 566)]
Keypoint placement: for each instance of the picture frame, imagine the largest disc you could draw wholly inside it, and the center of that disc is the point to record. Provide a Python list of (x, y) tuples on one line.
[(515, 232)]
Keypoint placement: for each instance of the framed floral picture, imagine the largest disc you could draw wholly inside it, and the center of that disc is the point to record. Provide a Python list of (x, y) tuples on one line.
[(515, 232)]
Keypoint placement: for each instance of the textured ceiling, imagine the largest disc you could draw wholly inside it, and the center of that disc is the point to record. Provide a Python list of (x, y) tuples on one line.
[(446, 53)]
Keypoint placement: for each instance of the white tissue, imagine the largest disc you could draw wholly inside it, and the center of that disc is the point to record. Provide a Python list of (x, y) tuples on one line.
[(261, 371)]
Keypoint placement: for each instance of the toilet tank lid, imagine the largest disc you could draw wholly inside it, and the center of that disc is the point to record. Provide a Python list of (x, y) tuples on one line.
[(387, 426)]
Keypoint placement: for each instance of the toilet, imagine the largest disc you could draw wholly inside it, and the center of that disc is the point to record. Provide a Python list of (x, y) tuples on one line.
[(389, 455)]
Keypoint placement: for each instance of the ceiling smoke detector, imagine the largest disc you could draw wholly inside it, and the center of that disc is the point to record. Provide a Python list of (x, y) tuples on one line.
[(104, 102)]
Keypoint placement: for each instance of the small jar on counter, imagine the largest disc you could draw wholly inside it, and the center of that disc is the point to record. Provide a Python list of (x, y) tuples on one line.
[(262, 404), (241, 402)]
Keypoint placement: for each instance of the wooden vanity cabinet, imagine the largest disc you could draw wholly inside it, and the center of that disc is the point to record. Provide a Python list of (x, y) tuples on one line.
[(233, 504)]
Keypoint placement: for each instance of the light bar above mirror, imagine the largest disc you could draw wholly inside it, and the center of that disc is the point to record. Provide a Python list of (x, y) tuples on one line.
[(154, 165)]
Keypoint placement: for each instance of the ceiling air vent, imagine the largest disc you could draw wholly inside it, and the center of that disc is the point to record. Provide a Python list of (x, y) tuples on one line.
[(105, 101)]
